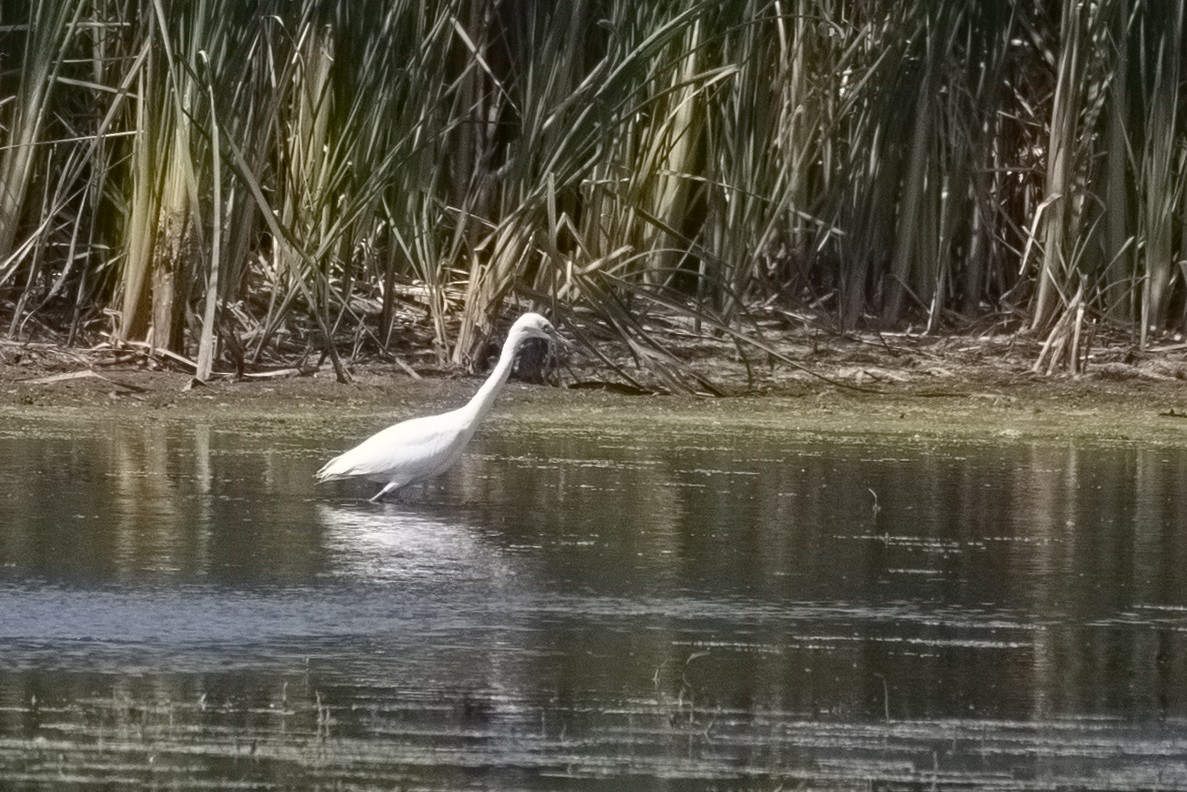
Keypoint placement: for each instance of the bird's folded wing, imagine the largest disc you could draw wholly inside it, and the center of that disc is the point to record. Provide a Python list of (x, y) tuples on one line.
[(410, 450)]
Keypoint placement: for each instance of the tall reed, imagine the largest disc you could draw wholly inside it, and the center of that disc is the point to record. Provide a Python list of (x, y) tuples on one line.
[(236, 181)]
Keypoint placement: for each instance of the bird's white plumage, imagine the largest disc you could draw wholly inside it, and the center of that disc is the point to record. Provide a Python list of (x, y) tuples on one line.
[(417, 448), (421, 448)]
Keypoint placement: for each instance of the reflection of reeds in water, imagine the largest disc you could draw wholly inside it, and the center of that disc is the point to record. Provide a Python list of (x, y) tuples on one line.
[(192, 738), (694, 588), (150, 500), (1107, 546)]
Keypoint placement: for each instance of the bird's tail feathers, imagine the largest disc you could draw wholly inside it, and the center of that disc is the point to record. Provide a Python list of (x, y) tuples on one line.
[(329, 473)]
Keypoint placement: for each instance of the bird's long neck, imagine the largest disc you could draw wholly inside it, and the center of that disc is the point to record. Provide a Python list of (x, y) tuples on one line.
[(480, 405)]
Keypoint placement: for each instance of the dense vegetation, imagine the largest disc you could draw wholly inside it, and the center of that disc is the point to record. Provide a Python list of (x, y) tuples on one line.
[(231, 179)]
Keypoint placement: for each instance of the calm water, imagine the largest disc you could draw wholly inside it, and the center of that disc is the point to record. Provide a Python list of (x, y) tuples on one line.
[(607, 609)]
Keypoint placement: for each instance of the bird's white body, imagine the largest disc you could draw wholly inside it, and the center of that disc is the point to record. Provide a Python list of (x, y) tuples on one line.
[(421, 448)]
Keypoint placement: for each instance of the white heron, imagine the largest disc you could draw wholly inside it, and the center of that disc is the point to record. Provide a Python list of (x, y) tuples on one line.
[(421, 448)]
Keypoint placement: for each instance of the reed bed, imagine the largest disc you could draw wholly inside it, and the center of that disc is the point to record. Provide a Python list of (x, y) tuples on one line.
[(245, 182)]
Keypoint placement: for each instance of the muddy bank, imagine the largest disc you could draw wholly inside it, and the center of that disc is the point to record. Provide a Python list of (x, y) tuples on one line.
[(916, 385)]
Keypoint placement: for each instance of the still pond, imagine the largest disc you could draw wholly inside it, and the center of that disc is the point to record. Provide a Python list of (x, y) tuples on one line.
[(631, 605)]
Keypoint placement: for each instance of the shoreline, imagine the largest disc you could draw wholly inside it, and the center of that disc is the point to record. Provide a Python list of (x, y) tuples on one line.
[(970, 386), (980, 405)]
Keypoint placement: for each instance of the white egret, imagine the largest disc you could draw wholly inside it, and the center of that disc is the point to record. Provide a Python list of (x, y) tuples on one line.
[(420, 448)]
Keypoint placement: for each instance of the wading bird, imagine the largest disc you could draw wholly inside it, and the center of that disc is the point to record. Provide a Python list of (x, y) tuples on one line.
[(420, 448)]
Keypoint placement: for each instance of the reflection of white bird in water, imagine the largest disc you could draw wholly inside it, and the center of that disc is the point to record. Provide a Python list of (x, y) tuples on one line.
[(420, 448)]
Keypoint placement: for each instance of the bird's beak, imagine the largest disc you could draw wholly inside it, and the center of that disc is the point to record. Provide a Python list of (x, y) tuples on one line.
[(561, 341)]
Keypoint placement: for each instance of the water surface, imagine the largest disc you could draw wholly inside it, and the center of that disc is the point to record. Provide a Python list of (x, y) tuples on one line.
[(588, 608)]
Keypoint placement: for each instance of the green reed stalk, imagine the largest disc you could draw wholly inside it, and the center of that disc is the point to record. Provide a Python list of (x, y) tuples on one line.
[(1059, 226), (1162, 40), (48, 31)]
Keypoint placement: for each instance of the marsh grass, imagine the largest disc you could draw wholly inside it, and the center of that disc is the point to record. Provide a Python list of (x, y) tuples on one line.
[(244, 182)]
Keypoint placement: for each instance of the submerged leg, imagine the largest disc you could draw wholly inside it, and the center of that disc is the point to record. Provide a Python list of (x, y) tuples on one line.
[(391, 485)]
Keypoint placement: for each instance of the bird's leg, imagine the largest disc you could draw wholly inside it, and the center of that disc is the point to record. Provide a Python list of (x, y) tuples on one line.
[(391, 485)]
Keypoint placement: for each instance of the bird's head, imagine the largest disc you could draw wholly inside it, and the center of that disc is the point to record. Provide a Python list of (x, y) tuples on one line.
[(533, 325)]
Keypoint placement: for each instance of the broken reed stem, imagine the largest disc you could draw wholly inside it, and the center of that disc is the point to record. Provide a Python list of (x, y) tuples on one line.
[(1062, 347)]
